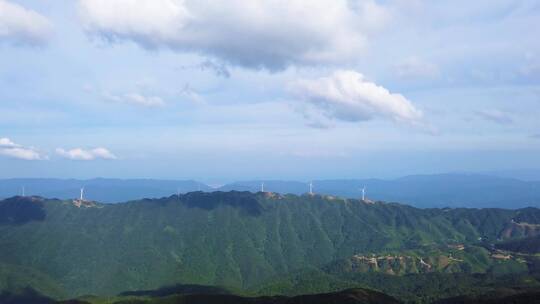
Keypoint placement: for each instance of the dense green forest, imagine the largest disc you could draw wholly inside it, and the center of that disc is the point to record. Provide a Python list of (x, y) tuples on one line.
[(261, 244)]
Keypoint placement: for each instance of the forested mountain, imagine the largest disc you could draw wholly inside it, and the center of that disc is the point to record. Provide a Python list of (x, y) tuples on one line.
[(246, 243)]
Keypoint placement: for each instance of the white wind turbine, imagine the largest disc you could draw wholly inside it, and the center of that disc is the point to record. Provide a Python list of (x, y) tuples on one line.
[(363, 193), (82, 194), (311, 187), (262, 186)]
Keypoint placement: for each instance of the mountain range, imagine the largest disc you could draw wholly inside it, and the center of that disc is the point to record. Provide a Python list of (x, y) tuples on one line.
[(424, 191), (262, 244)]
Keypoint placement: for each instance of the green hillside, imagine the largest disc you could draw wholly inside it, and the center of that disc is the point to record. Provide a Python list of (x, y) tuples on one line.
[(240, 241)]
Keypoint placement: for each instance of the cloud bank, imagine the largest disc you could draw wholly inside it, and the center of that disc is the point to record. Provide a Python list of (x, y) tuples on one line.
[(346, 95), (268, 34), (21, 26), (13, 150), (81, 154)]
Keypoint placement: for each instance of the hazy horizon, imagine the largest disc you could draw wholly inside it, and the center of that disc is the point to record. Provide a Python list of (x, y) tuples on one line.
[(216, 182)]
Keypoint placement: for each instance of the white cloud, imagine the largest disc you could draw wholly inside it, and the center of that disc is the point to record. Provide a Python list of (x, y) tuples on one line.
[(414, 67), (11, 149), (22, 153), (6, 143), (496, 116), (347, 95), (136, 99), (21, 26), (268, 34), (81, 154)]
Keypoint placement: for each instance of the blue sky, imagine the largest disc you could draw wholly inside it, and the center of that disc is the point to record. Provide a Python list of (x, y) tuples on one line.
[(225, 90)]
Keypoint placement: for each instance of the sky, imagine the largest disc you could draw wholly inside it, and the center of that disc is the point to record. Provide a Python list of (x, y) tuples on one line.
[(228, 90)]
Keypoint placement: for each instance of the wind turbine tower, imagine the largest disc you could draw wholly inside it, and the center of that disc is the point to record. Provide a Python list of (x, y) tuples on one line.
[(364, 193), (262, 187), (82, 194), (311, 187)]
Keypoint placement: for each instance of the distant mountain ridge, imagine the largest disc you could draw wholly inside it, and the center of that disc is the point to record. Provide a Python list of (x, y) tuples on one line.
[(105, 190), (425, 191)]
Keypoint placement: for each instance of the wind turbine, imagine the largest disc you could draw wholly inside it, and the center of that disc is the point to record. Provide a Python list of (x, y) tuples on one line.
[(262, 186), (363, 193), (311, 187), (82, 194)]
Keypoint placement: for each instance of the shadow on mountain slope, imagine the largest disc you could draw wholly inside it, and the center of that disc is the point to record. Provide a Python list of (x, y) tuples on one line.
[(20, 210), (27, 295), (245, 201), (351, 296), (499, 297), (176, 290)]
